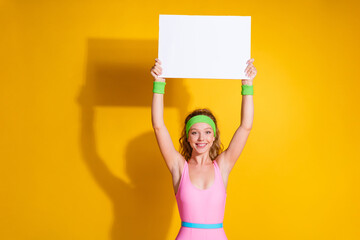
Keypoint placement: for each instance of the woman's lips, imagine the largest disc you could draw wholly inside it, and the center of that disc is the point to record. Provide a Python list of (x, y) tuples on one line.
[(200, 145)]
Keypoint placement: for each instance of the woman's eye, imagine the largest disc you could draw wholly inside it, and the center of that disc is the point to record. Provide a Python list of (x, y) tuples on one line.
[(208, 132), (193, 133)]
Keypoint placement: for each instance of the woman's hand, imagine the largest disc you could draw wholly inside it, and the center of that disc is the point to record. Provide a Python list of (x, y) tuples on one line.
[(156, 70), (250, 72)]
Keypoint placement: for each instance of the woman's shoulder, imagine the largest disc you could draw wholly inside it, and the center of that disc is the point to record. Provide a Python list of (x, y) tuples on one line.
[(179, 166), (221, 162)]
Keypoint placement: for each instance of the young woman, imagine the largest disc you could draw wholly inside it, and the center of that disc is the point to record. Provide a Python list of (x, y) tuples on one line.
[(200, 171)]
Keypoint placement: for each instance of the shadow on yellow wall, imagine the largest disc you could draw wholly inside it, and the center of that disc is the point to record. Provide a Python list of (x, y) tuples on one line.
[(118, 74)]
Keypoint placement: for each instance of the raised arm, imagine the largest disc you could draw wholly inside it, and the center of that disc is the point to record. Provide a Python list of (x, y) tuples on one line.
[(237, 144), (168, 151)]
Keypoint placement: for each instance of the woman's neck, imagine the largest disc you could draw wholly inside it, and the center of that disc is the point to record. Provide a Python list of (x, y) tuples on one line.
[(201, 159)]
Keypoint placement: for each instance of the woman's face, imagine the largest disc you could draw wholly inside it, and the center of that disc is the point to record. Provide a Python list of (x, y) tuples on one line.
[(201, 137)]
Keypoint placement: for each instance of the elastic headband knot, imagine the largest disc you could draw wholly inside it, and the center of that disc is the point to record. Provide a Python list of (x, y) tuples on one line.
[(200, 119)]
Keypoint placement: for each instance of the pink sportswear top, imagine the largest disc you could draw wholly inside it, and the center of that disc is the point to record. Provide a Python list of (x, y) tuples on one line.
[(201, 206)]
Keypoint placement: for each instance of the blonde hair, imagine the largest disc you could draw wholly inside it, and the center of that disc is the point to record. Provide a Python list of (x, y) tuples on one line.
[(185, 148)]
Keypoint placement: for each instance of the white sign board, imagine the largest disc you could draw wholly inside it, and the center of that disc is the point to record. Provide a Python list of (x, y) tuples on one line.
[(204, 46)]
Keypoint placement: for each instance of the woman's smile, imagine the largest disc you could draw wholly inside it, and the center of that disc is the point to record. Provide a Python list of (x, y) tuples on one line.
[(201, 145)]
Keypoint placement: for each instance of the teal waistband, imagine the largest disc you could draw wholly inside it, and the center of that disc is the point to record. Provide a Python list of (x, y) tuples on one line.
[(201, 225)]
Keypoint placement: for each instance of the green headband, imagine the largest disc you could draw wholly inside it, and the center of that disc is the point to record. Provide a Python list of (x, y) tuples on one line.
[(200, 119)]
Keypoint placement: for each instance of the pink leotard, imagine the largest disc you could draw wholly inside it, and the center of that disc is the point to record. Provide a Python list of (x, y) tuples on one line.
[(201, 206)]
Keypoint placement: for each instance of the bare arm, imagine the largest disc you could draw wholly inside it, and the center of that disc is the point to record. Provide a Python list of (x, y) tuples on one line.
[(168, 151), (237, 144)]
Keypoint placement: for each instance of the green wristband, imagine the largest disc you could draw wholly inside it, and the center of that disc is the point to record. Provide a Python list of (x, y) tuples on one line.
[(247, 90), (159, 87)]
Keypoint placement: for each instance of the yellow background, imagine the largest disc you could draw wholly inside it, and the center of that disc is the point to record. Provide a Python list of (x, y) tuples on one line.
[(78, 156)]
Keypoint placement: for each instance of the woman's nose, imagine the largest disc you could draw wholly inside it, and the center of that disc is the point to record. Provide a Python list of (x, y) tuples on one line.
[(200, 136)]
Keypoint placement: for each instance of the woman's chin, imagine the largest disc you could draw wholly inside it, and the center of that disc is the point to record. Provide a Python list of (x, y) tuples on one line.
[(201, 150)]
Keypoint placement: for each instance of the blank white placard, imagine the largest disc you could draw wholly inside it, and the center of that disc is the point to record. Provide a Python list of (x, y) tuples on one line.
[(204, 46)]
